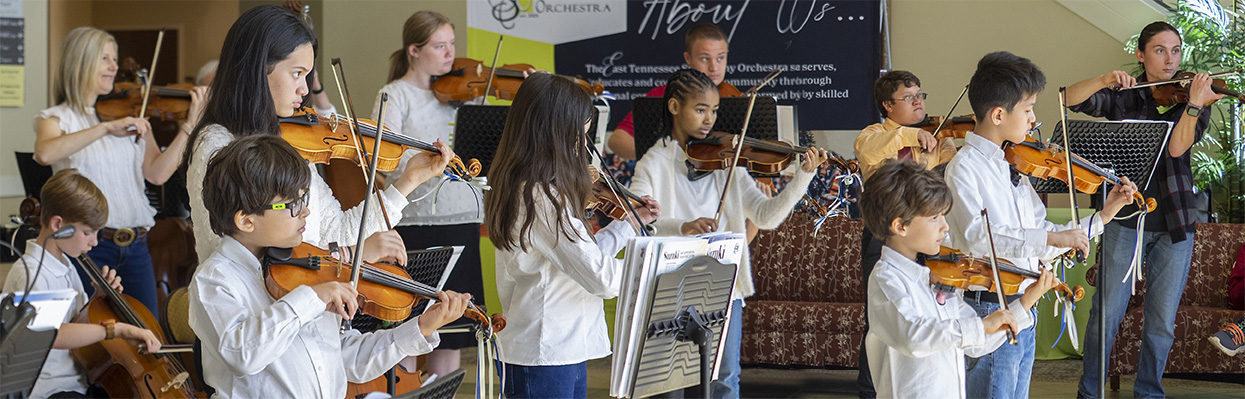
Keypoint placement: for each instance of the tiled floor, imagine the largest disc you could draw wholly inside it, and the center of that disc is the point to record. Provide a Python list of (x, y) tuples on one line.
[(1052, 379)]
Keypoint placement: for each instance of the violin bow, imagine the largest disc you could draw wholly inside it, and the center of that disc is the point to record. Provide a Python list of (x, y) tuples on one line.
[(1186, 81), (739, 143), (1067, 157), (994, 268), (493, 71), (151, 73), (347, 106), (643, 230), (951, 111)]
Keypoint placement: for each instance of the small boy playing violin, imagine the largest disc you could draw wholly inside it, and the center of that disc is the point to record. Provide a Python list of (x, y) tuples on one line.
[(257, 346), (1003, 92), (916, 344)]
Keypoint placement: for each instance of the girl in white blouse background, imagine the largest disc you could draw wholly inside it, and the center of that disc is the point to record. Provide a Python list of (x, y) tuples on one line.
[(117, 155), (552, 273), (451, 216)]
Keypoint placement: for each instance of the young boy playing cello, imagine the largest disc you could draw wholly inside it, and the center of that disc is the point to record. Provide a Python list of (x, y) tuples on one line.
[(917, 345), (73, 210), (1003, 92), (255, 345)]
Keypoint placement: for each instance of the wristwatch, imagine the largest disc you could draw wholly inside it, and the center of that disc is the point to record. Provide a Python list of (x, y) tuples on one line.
[(1192, 110)]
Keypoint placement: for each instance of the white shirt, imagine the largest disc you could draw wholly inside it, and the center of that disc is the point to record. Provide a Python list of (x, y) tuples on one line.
[(553, 294), (327, 223), (662, 174), (416, 113), (257, 347), (979, 177), (60, 373), (916, 347), (114, 164)]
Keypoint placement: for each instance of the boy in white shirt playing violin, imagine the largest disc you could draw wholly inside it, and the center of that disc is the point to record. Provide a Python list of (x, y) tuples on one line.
[(916, 345), (1003, 92), (255, 345)]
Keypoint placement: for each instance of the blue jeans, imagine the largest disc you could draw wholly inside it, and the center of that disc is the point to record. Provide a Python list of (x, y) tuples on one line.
[(728, 378), (569, 381), (1006, 372), (133, 263), (1166, 271)]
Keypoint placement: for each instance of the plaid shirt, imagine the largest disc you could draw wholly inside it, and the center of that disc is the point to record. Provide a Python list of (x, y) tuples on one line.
[(1174, 190)]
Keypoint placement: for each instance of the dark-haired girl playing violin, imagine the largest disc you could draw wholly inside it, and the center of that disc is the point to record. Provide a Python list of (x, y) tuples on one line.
[(263, 64), (552, 272), (1167, 239), (692, 106)]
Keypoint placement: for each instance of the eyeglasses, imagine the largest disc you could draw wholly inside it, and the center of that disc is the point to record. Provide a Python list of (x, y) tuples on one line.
[(295, 206), (912, 98)]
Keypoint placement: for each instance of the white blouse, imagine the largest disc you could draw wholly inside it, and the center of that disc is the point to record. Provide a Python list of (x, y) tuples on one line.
[(553, 293), (416, 113), (327, 222), (114, 164), (60, 372), (662, 175)]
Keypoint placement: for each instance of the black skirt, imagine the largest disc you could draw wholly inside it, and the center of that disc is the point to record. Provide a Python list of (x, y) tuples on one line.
[(467, 275)]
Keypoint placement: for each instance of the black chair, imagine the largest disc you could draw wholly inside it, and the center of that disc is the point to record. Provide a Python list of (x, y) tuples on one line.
[(33, 174)]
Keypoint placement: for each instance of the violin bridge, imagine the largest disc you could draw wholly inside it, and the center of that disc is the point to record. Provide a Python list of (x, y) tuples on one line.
[(333, 124), (176, 382)]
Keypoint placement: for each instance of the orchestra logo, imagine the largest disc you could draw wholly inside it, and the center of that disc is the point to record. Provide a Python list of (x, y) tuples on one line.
[(549, 21)]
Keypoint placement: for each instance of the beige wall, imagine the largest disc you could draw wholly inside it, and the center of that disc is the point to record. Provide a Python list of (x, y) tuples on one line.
[(201, 25), (17, 123), (364, 33), (941, 42)]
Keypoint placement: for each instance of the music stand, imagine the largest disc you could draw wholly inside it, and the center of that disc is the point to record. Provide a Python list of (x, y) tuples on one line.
[(647, 113), (478, 129), (688, 313), (22, 351), (441, 388), (1133, 148)]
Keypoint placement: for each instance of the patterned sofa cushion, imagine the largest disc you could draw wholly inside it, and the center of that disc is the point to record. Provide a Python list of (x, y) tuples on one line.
[(802, 333), (790, 264)]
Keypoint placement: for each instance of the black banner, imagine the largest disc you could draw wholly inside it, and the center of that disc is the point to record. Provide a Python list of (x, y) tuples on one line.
[(828, 51)]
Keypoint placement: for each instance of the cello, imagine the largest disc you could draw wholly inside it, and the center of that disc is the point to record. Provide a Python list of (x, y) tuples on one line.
[(122, 370)]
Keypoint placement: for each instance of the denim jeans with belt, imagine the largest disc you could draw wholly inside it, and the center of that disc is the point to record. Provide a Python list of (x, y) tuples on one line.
[(1166, 271), (569, 381), (133, 264), (1006, 372)]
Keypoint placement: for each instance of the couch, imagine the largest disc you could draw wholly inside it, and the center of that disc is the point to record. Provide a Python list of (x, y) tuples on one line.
[(809, 306)]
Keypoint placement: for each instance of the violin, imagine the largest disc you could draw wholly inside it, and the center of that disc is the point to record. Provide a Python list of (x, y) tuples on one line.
[(604, 199), (951, 269), (386, 292), (319, 140), (1176, 90), (122, 370), (1045, 161), (169, 103), (766, 157), (729, 90), (469, 78), (955, 128)]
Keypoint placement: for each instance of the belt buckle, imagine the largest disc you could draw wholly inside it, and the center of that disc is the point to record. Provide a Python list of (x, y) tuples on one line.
[(124, 236)]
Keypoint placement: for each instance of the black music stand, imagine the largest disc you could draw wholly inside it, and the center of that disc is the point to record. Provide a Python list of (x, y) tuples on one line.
[(687, 317), (1132, 148), (22, 351), (647, 113), (441, 388), (478, 129)]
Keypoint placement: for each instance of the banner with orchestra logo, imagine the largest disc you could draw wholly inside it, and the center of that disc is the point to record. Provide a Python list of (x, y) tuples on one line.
[(828, 50)]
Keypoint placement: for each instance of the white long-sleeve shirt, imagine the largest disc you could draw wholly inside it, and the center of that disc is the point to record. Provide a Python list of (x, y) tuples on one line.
[(327, 223), (662, 174), (60, 372), (916, 347), (258, 347), (553, 293), (980, 177), (416, 113)]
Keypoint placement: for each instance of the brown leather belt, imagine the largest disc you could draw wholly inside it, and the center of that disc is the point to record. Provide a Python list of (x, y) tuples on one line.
[(124, 236)]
